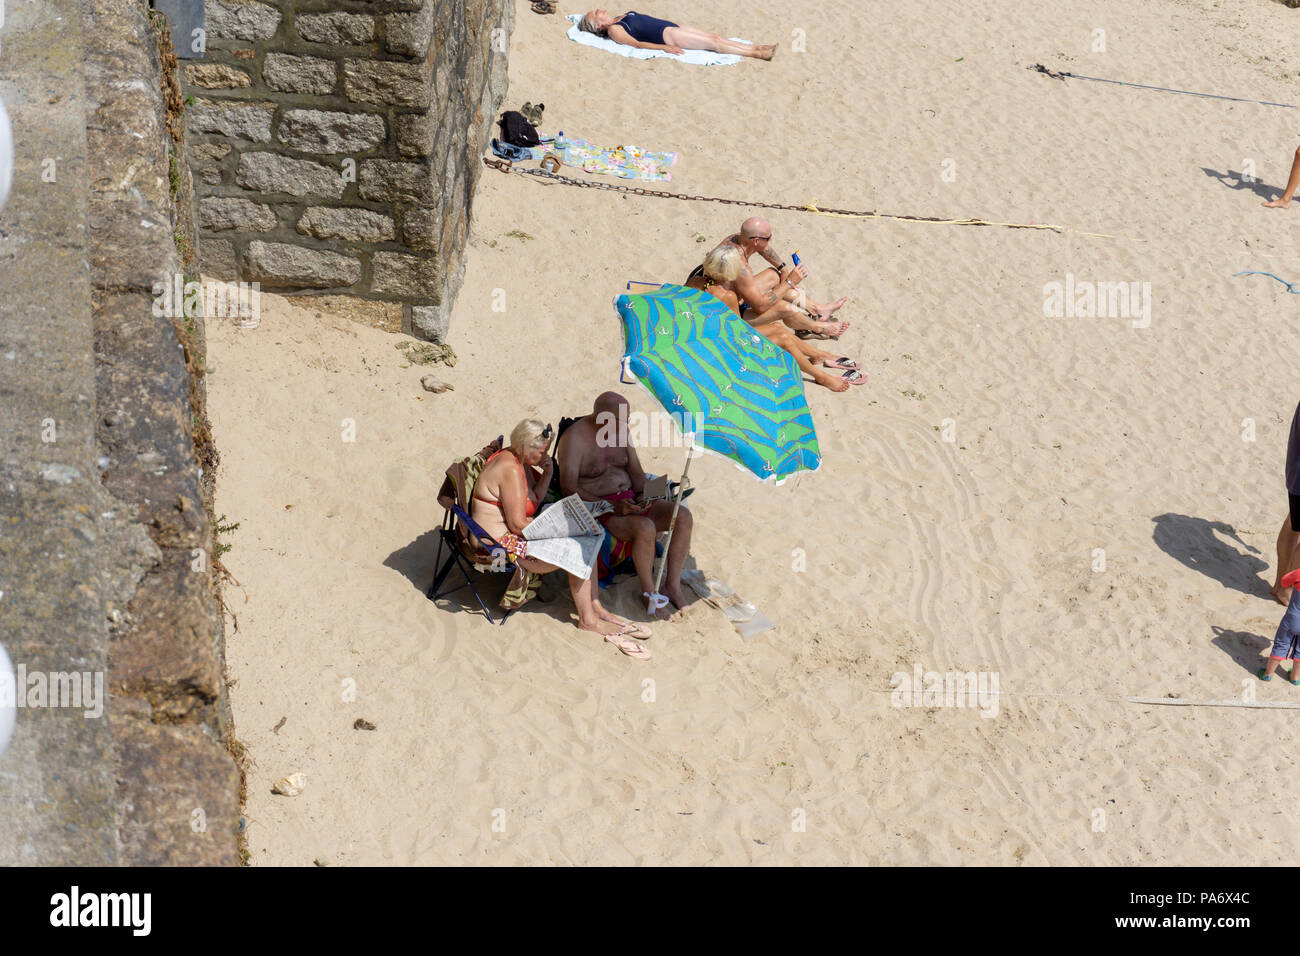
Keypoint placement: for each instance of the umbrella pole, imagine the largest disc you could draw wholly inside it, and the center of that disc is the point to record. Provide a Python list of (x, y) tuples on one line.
[(672, 522)]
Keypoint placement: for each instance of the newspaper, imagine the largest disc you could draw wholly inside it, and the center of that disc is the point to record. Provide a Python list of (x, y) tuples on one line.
[(566, 535)]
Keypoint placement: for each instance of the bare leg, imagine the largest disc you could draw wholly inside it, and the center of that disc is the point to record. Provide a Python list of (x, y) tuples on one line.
[(678, 548), (1291, 184), (588, 618), (797, 299), (783, 337), (640, 531), (1288, 559), (691, 38)]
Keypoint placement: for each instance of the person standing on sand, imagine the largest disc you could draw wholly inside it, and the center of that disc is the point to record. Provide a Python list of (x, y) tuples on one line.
[(651, 33), (1284, 200), (1288, 539)]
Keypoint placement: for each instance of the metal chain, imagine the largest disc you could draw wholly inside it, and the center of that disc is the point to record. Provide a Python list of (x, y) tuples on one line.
[(506, 166)]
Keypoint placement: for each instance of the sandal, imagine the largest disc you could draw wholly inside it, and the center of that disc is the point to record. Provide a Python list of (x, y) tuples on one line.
[(854, 377), (639, 631), (842, 362), (544, 6), (629, 647), (1263, 676)]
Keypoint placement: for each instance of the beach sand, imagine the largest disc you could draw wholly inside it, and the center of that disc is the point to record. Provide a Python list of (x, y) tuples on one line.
[(537, 743)]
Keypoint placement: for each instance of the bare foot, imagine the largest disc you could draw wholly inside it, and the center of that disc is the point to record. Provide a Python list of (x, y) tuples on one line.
[(1278, 203), (833, 382), (626, 627), (766, 52), (675, 598), (828, 310), (1280, 594), (833, 329)]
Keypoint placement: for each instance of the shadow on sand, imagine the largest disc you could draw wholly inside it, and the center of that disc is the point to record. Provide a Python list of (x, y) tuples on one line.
[(1197, 543), (1234, 180), (1246, 648)]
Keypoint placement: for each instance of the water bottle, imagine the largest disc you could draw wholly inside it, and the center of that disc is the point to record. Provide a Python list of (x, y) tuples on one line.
[(561, 144)]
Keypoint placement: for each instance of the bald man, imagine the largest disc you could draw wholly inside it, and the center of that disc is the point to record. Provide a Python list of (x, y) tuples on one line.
[(774, 294), (598, 463)]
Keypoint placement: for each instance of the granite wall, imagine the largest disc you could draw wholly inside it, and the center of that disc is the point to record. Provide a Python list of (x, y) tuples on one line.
[(335, 147)]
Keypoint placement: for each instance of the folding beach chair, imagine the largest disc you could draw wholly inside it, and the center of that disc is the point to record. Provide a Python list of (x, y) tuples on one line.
[(470, 549)]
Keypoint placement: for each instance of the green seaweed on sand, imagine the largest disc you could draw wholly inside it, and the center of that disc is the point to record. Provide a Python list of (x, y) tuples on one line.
[(426, 353)]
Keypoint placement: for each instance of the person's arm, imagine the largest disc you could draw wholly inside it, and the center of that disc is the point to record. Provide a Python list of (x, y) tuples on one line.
[(541, 480), (620, 35)]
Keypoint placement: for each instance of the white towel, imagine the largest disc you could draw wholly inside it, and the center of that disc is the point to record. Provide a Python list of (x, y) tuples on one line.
[(698, 57)]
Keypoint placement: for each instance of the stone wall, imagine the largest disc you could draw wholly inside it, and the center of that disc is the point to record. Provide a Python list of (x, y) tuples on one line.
[(106, 564), (336, 145)]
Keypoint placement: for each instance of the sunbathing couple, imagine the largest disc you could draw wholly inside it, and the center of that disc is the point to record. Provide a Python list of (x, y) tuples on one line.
[(772, 302), (596, 462)]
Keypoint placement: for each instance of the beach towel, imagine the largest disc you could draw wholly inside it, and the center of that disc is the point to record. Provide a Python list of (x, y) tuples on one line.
[(698, 57), (625, 162)]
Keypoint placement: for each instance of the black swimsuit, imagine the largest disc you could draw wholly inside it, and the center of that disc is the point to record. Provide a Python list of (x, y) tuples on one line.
[(644, 29)]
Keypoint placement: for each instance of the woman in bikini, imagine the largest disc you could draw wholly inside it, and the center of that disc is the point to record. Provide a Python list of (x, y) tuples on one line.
[(721, 267), (507, 494), (651, 33)]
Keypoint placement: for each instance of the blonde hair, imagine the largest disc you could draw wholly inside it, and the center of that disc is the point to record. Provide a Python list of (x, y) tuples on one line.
[(527, 435), (586, 25), (723, 263)]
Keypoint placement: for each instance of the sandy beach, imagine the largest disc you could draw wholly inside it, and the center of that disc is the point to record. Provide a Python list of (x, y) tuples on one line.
[(1160, 443)]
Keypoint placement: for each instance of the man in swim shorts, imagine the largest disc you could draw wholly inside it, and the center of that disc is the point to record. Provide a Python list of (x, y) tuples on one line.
[(598, 463), (774, 294)]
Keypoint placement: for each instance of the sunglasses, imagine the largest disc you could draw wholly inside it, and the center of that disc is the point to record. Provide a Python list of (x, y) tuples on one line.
[(546, 432), (761, 238)]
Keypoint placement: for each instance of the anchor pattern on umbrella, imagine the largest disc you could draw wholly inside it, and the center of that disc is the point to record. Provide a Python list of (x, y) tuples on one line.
[(699, 360)]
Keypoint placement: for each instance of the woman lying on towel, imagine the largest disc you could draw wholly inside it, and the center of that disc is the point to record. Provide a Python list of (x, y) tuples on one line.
[(651, 33), (506, 496), (721, 267)]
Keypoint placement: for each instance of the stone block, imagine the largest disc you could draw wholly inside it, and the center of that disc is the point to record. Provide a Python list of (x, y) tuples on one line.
[(409, 34), (392, 273), (414, 133), (288, 73), (278, 264), (217, 258), (240, 21), (430, 322), (272, 173), (336, 29), (217, 213), (421, 227), (236, 119), (216, 76), (386, 83), (360, 225), (382, 180), (325, 131)]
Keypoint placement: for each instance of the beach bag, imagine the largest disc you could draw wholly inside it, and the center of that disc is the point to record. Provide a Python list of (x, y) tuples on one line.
[(517, 131)]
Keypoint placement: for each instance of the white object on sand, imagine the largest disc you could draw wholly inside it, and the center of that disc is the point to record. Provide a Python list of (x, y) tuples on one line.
[(291, 785), (8, 699), (6, 156), (697, 57)]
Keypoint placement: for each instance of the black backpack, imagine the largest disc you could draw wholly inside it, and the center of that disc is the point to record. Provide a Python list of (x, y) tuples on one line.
[(517, 131)]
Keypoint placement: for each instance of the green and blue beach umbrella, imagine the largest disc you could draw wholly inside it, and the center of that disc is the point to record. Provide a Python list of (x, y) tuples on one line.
[(741, 395)]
